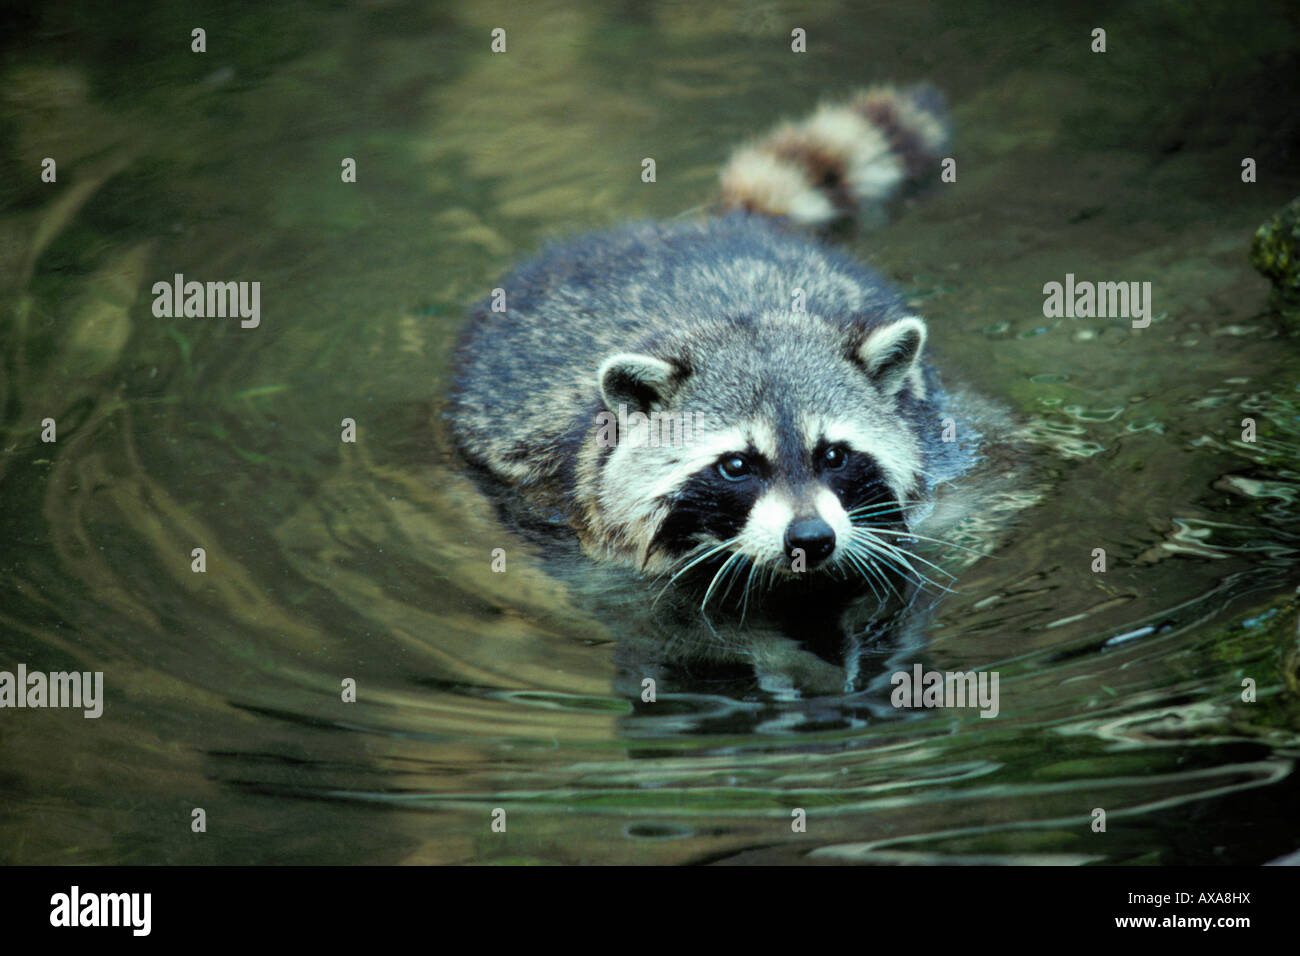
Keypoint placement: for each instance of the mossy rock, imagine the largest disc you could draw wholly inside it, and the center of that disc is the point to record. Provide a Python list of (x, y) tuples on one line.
[(1275, 252)]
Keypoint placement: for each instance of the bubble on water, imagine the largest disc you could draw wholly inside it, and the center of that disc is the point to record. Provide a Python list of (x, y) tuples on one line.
[(1030, 333), (1253, 622), (1145, 425), (1079, 413)]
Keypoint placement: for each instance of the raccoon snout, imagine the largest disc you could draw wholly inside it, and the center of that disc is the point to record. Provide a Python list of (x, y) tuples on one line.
[(811, 535)]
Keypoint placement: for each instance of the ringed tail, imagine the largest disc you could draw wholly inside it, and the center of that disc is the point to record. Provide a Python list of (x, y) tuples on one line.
[(847, 154)]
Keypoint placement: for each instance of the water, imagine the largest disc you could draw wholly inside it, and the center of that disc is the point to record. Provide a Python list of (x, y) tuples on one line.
[(371, 561)]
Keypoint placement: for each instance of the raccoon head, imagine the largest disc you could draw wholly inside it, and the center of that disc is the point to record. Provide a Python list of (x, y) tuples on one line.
[(761, 448)]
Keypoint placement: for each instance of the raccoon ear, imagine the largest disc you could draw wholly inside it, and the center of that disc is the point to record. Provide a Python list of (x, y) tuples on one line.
[(892, 352), (641, 382)]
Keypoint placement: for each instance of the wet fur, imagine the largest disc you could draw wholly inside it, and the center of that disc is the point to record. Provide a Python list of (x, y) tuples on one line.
[(713, 298)]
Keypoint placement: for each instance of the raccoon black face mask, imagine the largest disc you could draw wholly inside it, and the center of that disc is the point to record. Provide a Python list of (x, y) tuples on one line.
[(725, 399)]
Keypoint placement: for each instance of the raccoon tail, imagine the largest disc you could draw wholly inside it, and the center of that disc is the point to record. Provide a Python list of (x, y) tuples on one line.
[(847, 154)]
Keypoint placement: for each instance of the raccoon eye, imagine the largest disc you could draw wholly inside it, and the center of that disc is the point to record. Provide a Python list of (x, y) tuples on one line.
[(735, 468), (834, 457)]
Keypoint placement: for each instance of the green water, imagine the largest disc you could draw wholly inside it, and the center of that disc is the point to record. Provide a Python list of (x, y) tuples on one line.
[(371, 560)]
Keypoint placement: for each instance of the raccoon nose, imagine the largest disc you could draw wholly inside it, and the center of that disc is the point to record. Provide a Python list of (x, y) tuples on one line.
[(813, 536)]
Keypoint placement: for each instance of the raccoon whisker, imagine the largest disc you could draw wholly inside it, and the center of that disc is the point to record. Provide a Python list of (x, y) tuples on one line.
[(909, 573), (907, 555), (717, 575), (866, 576), (879, 575), (712, 630), (872, 531), (890, 505), (891, 502), (692, 211), (875, 510), (709, 551), (861, 559), (744, 606), (874, 574), (899, 559), (893, 557), (730, 574), (921, 537), (693, 558), (744, 579), (734, 575), (694, 552)]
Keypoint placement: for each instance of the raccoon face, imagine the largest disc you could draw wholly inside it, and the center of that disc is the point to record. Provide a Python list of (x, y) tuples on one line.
[(797, 452)]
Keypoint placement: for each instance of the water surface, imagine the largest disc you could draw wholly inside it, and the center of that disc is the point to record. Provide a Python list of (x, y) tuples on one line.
[(371, 560)]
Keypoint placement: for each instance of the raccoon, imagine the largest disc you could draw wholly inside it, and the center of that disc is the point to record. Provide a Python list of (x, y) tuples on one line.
[(728, 404)]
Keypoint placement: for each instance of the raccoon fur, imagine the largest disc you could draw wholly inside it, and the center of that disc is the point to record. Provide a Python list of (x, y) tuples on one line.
[(728, 404)]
